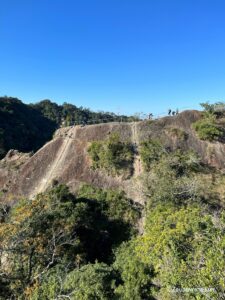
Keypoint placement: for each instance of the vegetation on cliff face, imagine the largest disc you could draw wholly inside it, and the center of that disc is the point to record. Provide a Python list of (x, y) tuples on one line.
[(150, 151), (112, 155), (209, 127)]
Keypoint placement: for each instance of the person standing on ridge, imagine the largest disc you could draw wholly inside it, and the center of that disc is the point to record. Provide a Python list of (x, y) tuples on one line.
[(150, 116)]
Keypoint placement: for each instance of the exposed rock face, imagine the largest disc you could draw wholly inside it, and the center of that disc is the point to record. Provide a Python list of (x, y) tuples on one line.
[(9, 167), (65, 158)]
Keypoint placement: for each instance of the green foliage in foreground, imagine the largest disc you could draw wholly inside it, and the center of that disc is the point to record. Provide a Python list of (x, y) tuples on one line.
[(59, 230), (92, 281), (135, 277), (185, 248), (112, 155)]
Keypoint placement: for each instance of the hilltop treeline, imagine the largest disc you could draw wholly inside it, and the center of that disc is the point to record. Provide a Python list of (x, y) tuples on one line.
[(69, 114), (27, 127)]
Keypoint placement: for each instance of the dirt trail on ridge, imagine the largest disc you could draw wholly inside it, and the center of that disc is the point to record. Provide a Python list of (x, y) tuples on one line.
[(135, 141), (54, 169)]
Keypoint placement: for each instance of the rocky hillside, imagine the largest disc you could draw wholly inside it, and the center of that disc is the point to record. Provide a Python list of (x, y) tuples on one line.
[(65, 158), (28, 127)]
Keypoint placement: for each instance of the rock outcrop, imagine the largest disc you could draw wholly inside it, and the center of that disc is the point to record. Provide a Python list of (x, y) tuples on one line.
[(65, 158)]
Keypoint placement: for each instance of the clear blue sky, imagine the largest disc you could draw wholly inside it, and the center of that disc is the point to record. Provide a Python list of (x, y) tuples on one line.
[(127, 55)]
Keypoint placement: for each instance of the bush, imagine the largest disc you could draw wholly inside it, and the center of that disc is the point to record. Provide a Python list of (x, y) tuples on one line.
[(172, 179), (112, 155), (207, 129), (217, 108), (151, 151)]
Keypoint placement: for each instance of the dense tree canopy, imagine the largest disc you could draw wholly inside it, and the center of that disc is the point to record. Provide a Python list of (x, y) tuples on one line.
[(59, 231), (22, 127)]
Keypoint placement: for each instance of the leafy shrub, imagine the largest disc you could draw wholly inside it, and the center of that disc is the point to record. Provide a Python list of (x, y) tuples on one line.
[(185, 248), (207, 129), (151, 151), (172, 179), (112, 155)]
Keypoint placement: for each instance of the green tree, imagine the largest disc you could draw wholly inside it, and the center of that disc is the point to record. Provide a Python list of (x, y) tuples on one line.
[(207, 128), (135, 276), (92, 281), (179, 243)]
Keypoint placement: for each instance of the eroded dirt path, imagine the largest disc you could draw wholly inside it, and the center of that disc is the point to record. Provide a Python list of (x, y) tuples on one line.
[(135, 141), (59, 159)]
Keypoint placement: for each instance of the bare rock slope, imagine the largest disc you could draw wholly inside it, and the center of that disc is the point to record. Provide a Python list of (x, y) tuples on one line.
[(65, 158)]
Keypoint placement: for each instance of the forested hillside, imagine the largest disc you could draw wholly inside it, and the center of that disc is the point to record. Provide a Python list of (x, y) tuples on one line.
[(95, 241), (27, 127), (22, 127), (87, 246)]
